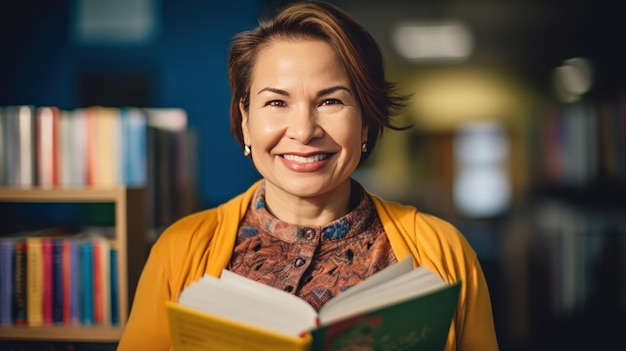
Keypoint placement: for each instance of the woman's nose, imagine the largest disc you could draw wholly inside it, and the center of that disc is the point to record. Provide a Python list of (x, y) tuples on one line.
[(304, 125)]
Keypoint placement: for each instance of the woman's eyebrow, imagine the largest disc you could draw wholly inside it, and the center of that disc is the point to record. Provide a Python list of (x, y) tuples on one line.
[(332, 90), (322, 92), (274, 90)]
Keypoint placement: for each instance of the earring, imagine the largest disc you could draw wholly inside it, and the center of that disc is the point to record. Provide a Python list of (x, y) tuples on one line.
[(364, 147), (246, 150)]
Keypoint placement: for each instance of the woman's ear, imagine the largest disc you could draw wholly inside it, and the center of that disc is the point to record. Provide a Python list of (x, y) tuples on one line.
[(244, 124)]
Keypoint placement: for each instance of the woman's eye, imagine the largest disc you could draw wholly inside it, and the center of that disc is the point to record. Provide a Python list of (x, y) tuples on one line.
[(275, 103), (329, 102)]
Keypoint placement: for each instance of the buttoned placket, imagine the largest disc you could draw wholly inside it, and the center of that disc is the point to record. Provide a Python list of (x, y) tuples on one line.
[(301, 258)]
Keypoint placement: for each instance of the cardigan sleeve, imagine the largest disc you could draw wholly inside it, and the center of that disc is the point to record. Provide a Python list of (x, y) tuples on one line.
[(475, 327)]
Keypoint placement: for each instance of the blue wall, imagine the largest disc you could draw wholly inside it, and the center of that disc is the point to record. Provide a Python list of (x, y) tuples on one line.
[(40, 65)]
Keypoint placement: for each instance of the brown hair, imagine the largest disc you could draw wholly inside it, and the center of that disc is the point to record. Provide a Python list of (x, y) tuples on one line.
[(355, 48)]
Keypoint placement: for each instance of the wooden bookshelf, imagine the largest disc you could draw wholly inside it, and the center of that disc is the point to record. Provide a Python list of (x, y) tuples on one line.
[(130, 233)]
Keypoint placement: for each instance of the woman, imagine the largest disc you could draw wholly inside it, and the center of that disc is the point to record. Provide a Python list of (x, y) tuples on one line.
[(310, 101)]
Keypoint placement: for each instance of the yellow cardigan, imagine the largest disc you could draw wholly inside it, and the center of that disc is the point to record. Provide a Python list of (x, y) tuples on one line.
[(203, 243)]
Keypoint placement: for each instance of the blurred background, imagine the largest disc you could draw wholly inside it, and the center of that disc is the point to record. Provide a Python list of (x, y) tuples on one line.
[(519, 114)]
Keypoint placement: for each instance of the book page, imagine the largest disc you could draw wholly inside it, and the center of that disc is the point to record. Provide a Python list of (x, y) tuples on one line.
[(384, 276), (417, 282)]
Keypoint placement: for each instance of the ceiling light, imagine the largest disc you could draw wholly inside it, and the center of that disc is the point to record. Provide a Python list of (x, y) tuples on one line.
[(447, 40)]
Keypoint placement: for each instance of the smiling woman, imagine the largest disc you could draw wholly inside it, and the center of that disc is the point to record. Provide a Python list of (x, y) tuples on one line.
[(304, 127), (310, 101)]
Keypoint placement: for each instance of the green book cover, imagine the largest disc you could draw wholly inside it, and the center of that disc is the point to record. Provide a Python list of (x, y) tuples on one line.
[(421, 323)]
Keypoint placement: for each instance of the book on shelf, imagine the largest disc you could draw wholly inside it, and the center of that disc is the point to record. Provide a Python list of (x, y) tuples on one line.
[(169, 175), (19, 284), (95, 146), (39, 273), (59, 276), (57, 281), (102, 280), (133, 150), (114, 293), (19, 145), (86, 283), (46, 134), (398, 308), (46, 250), (7, 254), (579, 144)]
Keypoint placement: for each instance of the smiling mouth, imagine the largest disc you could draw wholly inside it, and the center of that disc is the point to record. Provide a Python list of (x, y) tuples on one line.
[(306, 159)]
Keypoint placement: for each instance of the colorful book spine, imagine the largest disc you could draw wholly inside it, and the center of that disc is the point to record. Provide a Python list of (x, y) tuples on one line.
[(7, 249), (47, 298), (34, 281), (97, 282), (86, 283), (57, 281), (79, 148), (47, 130), (115, 316), (92, 170), (20, 284), (133, 150), (20, 143), (108, 144), (74, 282), (66, 280)]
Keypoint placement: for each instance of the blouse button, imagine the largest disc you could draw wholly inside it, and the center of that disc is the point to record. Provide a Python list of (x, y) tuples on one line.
[(309, 234), (299, 262)]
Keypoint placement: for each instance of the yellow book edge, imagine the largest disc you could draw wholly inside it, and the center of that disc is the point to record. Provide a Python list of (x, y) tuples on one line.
[(193, 330)]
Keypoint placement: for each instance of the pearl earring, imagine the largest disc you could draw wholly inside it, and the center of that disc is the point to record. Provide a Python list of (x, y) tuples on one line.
[(246, 150), (364, 147)]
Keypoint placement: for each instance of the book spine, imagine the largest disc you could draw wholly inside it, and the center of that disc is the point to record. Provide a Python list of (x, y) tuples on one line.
[(133, 146), (109, 144), (79, 148), (75, 284), (115, 319), (66, 280), (46, 122), (20, 284), (105, 280), (63, 148), (91, 146), (6, 281), (26, 139), (57, 281), (86, 283), (46, 250), (34, 281), (97, 282)]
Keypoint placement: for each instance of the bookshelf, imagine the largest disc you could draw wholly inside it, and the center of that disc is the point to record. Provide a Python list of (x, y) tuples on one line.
[(575, 228), (130, 232)]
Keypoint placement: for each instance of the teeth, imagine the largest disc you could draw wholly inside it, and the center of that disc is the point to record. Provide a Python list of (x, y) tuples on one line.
[(308, 159)]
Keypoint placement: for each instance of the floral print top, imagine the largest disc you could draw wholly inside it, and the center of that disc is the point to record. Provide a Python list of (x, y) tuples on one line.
[(312, 262)]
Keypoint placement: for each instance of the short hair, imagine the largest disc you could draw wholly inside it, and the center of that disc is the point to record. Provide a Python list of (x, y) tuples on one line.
[(355, 47)]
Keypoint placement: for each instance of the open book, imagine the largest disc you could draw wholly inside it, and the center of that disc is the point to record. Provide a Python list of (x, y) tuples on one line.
[(398, 308)]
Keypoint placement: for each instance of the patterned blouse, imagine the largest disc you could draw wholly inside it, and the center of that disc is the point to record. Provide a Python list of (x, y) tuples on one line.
[(312, 262)]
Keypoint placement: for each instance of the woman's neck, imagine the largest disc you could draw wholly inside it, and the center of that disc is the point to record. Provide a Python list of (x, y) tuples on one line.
[(310, 211)]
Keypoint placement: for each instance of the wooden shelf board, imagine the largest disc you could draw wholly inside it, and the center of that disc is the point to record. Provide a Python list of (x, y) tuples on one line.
[(62, 333), (61, 194)]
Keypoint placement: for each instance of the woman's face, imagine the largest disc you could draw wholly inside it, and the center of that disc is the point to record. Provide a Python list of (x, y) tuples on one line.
[(304, 123)]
